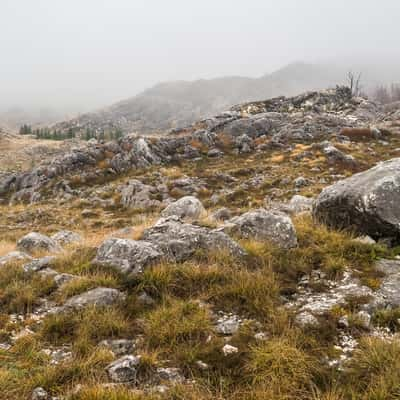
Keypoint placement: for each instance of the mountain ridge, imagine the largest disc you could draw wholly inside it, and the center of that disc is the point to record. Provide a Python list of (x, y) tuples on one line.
[(175, 104)]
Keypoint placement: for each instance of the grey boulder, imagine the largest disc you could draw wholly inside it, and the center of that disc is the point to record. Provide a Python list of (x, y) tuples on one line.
[(138, 195), (39, 264), (35, 241), (273, 226), (126, 255), (66, 237), (179, 241), (188, 207), (367, 202), (99, 297)]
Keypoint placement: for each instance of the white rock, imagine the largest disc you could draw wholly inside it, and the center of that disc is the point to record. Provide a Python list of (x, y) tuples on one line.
[(228, 350)]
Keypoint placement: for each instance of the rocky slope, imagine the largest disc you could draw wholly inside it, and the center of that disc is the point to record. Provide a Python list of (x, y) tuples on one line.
[(251, 255), (277, 123)]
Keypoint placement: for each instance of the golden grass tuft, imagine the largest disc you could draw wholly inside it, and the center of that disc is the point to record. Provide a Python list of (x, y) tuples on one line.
[(177, 322)]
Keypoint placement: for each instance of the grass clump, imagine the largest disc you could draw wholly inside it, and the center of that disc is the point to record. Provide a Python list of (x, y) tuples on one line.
[(21, 291), (177, 322), (389, 318), (374, 371), (282, 367)]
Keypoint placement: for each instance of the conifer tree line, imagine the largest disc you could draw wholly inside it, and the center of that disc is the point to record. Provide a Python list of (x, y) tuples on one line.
[(70, 133)]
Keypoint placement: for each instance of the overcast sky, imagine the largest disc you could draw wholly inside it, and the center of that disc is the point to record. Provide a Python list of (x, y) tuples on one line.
[(93, 52)]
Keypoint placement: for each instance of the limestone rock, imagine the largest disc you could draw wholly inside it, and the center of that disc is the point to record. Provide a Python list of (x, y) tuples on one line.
[(14, 256), (99, 297), (35, 241), (138, 195), (179, 241), (66, 237), (128, 256), (367, 202), (124, 369), (264, 225), (188, 207)]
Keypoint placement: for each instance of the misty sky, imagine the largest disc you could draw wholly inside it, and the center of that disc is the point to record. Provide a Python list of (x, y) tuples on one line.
[(88, 53)]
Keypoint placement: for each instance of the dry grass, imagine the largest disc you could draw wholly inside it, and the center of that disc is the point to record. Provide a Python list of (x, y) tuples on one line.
[(6, 246), (176, 329)]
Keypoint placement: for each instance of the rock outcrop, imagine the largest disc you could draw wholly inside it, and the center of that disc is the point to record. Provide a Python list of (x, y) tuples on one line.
[(246, 128)]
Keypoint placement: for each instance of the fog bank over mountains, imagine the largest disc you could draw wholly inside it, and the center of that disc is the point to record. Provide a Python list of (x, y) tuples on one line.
[(176, 103)]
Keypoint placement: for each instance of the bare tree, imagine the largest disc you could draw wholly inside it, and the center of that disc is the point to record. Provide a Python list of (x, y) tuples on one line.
[(354, 83)]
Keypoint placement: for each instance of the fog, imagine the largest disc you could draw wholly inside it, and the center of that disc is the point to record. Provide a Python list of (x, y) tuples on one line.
[(83, 54)]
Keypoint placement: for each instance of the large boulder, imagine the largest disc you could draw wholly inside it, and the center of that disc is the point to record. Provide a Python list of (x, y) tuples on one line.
[(179, 241), (99, 297), (367, 202), (137, 195), (128, 256), (66, 237), (188, 207), (35, 241), (273, 226)]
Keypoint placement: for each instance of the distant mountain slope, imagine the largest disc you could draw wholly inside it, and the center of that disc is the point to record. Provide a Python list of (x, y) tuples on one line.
[(176, 104)]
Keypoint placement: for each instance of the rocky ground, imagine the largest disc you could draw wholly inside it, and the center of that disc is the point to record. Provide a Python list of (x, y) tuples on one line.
[(253, 255)]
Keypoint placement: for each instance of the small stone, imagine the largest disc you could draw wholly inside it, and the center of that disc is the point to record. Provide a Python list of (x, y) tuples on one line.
[(124, 369), (228, 350), (213, 153), (170, 374), (228, 325), (40, 394), (300, 182), (365, 240), (119, 347), (202, 365), (261, 336), (364, 318), (343, 321)]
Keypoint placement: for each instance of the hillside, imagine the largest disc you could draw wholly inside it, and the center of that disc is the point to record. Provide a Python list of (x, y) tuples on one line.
[(253, 255), (177, 104)]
